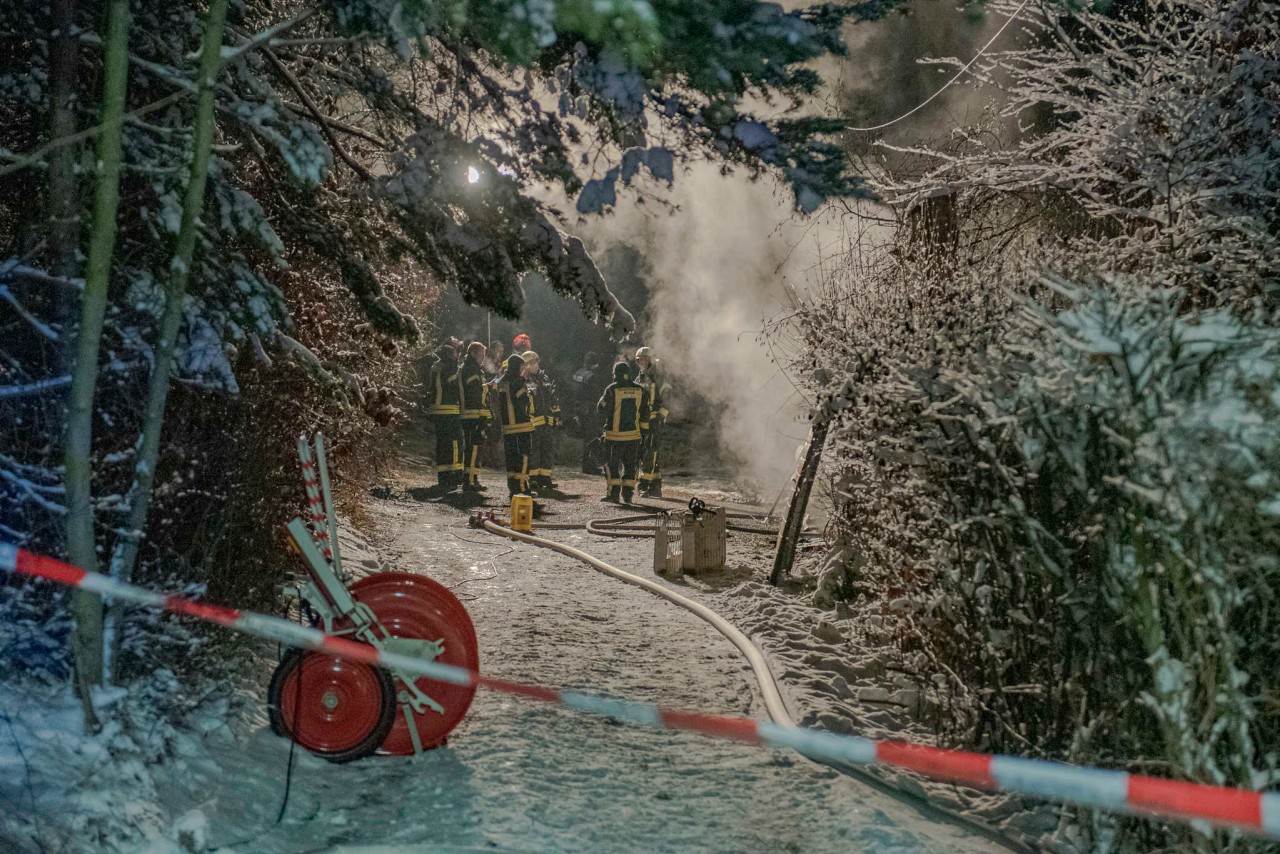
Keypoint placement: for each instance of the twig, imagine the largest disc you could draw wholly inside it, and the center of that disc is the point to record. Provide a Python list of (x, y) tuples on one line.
[(343, 126), (187, 88), (35, 387), (315, 113), (36, 323), (264, 38), (35, 157), (31, 792)]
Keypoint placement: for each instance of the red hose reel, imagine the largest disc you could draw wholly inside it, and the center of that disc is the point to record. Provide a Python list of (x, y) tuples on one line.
[(343, 710)]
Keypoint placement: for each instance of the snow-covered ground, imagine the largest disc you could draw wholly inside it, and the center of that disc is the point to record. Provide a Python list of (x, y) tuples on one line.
[(516, 775)]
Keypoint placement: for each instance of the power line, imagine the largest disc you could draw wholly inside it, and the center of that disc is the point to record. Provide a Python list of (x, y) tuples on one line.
[(918, 107)]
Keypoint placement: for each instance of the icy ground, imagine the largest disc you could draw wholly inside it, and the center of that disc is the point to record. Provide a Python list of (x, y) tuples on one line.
[(519, 775)]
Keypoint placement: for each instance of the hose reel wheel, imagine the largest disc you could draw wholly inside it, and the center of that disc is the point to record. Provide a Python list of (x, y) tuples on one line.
[(339, 710)]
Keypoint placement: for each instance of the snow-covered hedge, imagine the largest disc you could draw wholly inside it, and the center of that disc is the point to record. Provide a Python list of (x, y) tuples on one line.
[(1079, 526), (1056, 389)]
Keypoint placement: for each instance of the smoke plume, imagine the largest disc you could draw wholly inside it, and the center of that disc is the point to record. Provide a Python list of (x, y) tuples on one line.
[(718, 267), (729, 256)]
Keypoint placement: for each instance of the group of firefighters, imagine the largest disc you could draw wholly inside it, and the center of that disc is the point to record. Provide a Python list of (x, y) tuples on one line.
[(468, 391)]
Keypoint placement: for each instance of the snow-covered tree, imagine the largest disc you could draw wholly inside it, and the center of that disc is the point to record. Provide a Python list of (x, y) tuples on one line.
[(1148, 134)]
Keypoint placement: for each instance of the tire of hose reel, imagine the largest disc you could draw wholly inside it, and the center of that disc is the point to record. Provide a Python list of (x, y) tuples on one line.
[(375, 712)]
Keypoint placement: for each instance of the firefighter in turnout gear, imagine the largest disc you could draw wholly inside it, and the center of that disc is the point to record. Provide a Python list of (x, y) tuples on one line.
[(517, 428), (625, 408), (475, 414), (651, 431), (445, 407), (537, 416), (546, 418)]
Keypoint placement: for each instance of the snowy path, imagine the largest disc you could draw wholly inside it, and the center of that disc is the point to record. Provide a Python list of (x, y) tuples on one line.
[(522, 776)]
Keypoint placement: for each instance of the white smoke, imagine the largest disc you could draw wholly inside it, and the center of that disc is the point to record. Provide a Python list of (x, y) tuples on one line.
[(719, 267), (726, 260)]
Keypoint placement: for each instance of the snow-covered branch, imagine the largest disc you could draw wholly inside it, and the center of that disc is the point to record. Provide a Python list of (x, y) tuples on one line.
[(34, 388)]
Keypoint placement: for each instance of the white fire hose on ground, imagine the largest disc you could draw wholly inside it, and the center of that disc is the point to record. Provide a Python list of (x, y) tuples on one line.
[(769, 688)]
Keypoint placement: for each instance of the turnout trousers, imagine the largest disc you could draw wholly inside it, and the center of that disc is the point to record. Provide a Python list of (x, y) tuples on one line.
[(448, 450), (650, 472), (621, 461), (472, 439), (544, 456), (518, 447)]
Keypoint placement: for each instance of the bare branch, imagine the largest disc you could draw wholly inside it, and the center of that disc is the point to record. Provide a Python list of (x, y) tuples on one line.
[(34, 388)]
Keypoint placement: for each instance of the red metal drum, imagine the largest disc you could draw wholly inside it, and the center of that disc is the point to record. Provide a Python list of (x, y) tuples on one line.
[(414, 606)]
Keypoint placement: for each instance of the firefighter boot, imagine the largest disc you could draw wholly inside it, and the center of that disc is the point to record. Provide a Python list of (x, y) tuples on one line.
[(627, 494)]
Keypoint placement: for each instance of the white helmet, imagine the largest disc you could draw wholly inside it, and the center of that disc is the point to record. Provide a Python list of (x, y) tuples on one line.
[(647, 352)]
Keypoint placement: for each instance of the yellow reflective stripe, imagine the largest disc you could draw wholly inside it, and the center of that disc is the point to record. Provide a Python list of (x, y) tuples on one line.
[(444, 409), (622, 436), (513, 429), (473, 414)]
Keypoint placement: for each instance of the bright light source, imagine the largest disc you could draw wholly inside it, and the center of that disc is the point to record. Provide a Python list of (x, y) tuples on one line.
[(473, 174)]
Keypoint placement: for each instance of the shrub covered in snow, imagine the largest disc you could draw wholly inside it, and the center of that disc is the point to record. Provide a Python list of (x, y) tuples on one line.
[(1054, 459)]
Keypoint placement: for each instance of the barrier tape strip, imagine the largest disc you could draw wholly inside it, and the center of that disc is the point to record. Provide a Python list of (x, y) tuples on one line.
[(1253, 812)]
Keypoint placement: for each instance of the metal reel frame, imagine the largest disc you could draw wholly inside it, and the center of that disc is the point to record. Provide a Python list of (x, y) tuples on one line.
[(340, 611)]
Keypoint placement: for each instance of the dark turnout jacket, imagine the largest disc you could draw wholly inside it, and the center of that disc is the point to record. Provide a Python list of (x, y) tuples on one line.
[(445, 394), (513, 401), (625, 407), (475, 391)]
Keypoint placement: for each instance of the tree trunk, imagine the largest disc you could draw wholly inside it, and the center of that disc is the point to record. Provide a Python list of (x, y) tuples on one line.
[(126, 551), (62, 198), (87, 607), (789, 535)]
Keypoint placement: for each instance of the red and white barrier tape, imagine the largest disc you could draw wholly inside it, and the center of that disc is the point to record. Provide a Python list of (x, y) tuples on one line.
[(1253, 812)]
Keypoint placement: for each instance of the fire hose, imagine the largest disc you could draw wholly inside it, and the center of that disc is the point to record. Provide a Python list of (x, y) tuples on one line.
[(768, 686), (631, 526)]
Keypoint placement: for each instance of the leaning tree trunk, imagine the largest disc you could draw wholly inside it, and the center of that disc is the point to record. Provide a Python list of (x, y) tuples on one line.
[(87, 607), (126, 551), (789, 535)]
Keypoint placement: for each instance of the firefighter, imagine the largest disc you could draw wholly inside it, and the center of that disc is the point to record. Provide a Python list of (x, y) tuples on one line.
[(475, 414), (546, 416), (517, 428), (625, 408), (444, 406), (651, 433)]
